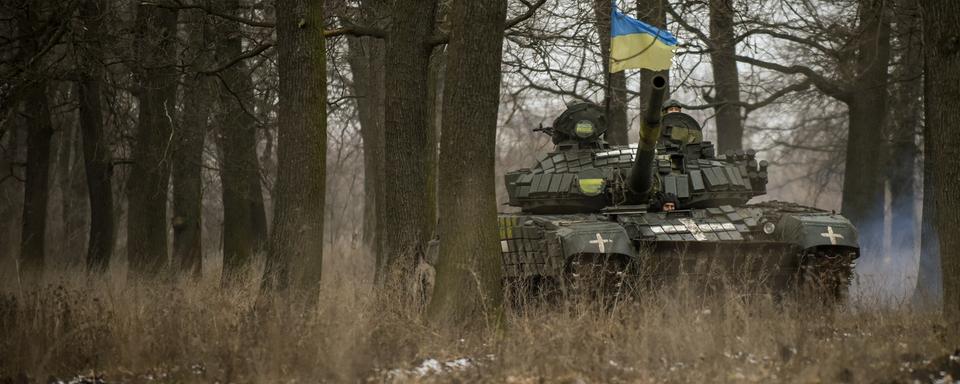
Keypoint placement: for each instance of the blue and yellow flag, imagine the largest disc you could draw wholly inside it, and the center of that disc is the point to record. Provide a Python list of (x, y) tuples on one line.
[(635, 44)]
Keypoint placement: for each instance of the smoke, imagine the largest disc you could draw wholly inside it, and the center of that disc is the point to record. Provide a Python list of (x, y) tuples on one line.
[(887, 270)]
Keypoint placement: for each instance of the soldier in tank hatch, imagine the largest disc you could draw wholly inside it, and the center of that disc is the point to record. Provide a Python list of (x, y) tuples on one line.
[(671, 106)]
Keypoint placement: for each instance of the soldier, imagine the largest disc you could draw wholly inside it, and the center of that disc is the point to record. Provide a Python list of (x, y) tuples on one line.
[(663, 202), (671, 106)]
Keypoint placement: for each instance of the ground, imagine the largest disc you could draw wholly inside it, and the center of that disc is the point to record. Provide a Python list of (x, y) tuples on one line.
[(194, 332)]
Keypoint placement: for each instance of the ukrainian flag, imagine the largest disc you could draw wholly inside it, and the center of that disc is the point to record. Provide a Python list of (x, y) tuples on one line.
[(635, 44)]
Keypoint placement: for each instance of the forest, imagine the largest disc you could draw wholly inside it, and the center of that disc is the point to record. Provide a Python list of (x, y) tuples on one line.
[(295, 190)]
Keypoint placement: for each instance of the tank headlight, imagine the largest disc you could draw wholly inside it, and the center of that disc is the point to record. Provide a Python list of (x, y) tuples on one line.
[(769, 227)]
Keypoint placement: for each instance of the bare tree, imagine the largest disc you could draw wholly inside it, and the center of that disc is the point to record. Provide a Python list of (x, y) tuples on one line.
[(723, 51), (30, 24), (296, 243), (468, 274), (11, 187), (941, 20), (653, 13), (96, 148), (244, 220), (409, 214), (862, 87), (366, 60), (147, 189), (188, 138), (615, 94), (904, 124)]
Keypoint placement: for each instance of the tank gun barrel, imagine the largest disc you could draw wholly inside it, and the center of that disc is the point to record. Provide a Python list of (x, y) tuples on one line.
[(641, 175)]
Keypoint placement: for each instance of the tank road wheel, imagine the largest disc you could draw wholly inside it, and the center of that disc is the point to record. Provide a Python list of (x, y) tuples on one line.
[(825, 274), (596, 277)]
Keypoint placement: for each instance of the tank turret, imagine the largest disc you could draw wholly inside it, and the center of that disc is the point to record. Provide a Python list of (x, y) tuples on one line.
[(641, 174)]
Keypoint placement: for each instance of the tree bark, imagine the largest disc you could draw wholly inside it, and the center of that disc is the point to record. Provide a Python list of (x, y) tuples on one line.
[(73, 199), (469, 284), (11, 190), (244, 222), (941, 21), (366, 65), (408, 213), (653, 13), (904, 124), (96, 149), (39, 132), (929, 290), (296, 244), (435, 88), (187, 167), (150, 174), (862, 185), (616, 91), (725, 76), (36, 190)]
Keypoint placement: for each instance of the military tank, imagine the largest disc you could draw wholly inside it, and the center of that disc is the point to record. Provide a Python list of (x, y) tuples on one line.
[(665, 207)]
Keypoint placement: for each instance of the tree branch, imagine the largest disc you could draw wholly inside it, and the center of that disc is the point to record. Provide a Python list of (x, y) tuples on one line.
[(796, 39), (443, 38), (827, 86), (531, 9), (355, 30), (750, 107), (177, 4), (801, 86), (683, 23), (251, 53), (348, 29)]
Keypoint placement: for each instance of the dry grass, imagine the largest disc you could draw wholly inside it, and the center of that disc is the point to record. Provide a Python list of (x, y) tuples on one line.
[(195, 332)]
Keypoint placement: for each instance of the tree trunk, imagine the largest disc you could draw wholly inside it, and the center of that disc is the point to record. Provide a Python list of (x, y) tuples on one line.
[(929, 290), (39, 132), (469, 284), (904, 125), (150, 174), (725, 76), (435, 88), (188, 138), (96, 149), (73, 199), (941, 34), (408, 152), (616, 92), (11, 190), (862, 183), (36, 190), (243, 214), (653, 13), (366, 64), (296, 244)]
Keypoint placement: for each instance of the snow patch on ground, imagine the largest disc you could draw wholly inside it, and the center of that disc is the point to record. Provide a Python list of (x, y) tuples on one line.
[(433, 367)]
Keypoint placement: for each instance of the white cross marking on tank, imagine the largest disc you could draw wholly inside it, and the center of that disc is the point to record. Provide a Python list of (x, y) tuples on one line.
[(599, 242), (831, 235)]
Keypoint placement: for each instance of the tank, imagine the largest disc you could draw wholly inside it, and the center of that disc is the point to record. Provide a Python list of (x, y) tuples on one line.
[(665, 207)]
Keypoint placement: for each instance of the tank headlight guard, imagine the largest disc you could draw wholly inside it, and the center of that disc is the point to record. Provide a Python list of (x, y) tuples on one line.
[(769, 227)]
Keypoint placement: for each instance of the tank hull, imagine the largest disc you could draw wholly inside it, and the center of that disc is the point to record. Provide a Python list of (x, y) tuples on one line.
[(770, 245)]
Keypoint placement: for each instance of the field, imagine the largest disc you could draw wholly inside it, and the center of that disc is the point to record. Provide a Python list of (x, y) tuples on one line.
[(108, 331)]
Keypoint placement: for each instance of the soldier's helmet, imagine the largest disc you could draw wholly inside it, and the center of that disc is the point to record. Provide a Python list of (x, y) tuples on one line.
[(671, 103)]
